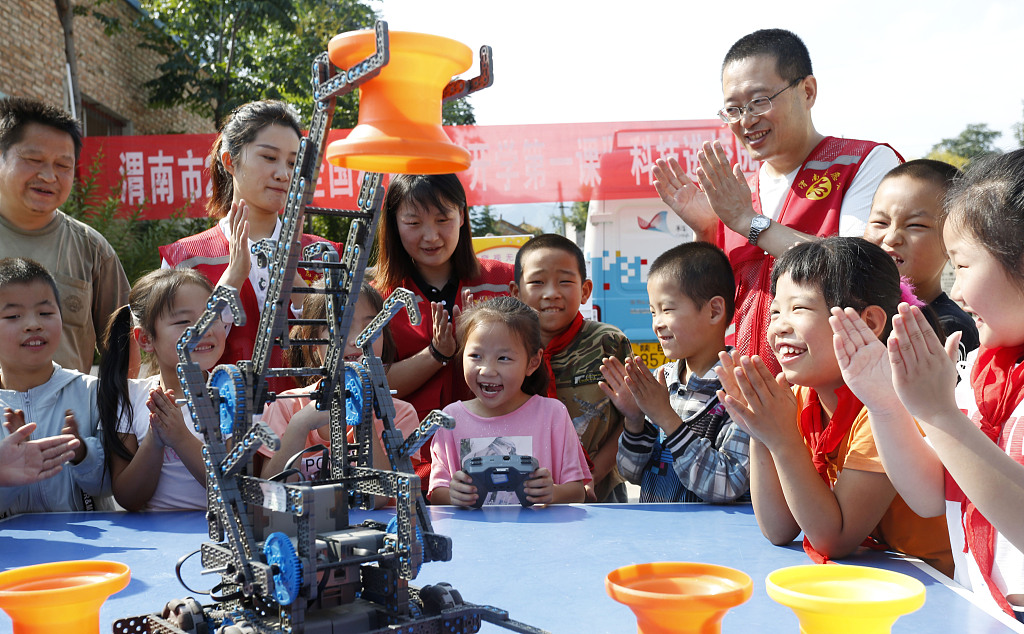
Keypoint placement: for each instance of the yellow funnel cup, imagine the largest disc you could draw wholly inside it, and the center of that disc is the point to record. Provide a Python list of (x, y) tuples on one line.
[(834, 599)]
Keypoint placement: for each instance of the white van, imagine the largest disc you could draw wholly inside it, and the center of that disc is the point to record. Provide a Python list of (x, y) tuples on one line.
[(623, 237)]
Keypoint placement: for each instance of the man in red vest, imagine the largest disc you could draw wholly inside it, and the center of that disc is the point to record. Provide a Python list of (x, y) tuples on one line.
[(808, 185)]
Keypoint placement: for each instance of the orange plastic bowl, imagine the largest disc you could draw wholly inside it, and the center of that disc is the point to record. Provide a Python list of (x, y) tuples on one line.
[(678, 597), (60, 597)]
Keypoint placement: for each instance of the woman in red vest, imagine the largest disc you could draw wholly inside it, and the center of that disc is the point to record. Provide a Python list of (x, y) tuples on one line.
[(424, 244), (251, 166)]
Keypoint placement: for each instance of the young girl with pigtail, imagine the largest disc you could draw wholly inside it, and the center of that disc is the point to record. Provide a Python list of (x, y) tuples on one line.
[(153, 451), (971, 467), (501, 358)]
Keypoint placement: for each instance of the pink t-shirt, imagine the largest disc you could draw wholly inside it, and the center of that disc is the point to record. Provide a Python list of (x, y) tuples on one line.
[(541, 428), (277, 414)]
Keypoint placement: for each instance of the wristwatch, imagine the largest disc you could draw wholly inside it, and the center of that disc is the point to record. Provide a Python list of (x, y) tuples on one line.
[(758, 224)]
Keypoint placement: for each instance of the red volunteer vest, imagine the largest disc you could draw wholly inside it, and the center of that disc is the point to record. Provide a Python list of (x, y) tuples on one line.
[(812, 206), (207, 252), (447, 385)]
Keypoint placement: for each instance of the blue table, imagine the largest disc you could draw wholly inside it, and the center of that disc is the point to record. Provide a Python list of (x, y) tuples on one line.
[(545, 566)]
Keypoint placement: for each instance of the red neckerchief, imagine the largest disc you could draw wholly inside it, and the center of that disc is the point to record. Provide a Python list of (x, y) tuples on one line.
[(556, 345), (998, 381), (824, 438)]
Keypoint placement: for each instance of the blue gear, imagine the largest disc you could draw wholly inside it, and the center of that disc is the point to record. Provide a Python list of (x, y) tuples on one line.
[(227, 382), (280, 552), (392, 529), (356, 381)]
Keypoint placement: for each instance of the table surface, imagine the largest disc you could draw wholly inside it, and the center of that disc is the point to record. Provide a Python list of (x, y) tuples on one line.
[(546, 566)]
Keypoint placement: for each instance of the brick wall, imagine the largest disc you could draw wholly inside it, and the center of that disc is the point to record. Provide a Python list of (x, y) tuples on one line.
[(111, 70)]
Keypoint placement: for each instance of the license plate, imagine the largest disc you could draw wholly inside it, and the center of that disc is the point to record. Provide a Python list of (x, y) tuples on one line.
[(650, 352)]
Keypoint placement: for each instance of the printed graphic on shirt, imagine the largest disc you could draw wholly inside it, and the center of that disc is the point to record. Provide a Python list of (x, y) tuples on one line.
[(496, 446), (588, 412), (310, 463)]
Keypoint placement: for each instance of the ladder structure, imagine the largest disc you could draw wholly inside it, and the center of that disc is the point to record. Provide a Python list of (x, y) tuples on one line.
[(286, 555)]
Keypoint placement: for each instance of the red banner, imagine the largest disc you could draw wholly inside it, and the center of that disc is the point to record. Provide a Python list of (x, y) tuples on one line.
[(510, 164)]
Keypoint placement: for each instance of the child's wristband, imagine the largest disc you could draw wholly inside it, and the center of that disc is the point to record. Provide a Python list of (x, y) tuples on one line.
[(440, 358)]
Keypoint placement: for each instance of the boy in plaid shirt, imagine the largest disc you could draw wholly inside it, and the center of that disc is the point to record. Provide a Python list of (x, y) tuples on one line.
[(679, 443)]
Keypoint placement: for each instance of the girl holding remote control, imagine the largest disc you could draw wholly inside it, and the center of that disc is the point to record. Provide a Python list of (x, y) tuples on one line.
[(501, 352)]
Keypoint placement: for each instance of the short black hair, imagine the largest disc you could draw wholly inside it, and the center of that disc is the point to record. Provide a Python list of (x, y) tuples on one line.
[(550, 241), (792, 61), (701, 270), (26, 271), (847, 271), (17, 112), (938, 172)]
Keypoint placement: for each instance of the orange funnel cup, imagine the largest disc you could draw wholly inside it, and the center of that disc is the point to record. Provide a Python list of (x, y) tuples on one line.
[(60, 597), (678, 597), (845, 599), (399, 130)]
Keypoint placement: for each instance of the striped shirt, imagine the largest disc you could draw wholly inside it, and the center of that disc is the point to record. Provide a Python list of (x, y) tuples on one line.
[(706, 460)]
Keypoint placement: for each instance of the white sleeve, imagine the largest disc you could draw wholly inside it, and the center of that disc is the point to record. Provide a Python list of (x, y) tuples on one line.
[(853, 216), (138, 394)]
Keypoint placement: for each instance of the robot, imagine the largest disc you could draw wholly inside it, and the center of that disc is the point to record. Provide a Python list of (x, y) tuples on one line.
[(287, 558)]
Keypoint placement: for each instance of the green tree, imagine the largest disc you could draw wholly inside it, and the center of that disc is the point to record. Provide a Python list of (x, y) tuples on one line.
[(948, 157), (284, 54), (976, 140), (221, 54), (576, 218), (482, 220), (133, 239), (1018, 132), (66, 15), (458, 112), (211, 61)]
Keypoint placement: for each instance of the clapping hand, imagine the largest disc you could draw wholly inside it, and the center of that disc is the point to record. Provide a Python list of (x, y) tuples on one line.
[(763, 405), (239, 257), (684, 197), (614, 387), (724, 185), (923, 370), (166, 419), (24, 461), (71, 427)]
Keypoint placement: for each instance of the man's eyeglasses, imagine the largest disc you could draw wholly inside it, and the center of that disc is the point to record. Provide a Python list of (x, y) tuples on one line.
[(754, 107)]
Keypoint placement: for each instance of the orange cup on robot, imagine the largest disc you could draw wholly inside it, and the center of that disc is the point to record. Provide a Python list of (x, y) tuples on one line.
[(678, 597), (399, 130), (60, 597)]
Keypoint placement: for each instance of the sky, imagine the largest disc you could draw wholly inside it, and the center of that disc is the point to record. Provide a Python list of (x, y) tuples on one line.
[(906, 73)]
